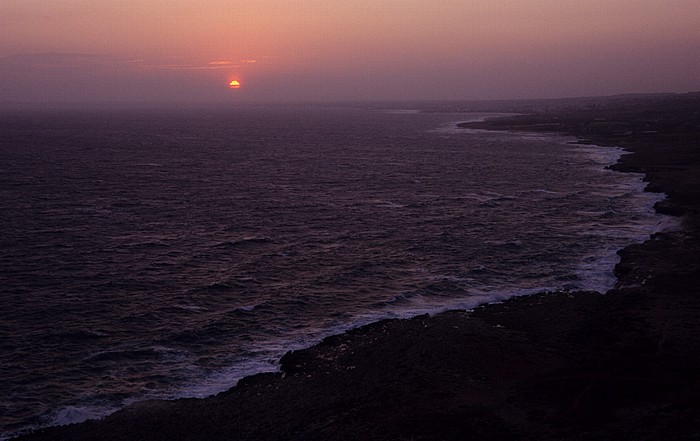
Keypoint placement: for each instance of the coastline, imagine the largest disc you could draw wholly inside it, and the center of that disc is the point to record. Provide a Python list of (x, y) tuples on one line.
[(544, 366)]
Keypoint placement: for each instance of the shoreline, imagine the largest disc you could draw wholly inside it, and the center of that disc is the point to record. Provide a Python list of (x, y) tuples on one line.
[(602, 160), (544, 366)]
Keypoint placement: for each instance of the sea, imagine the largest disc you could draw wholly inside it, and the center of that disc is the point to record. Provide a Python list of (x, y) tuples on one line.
[(166, 253)]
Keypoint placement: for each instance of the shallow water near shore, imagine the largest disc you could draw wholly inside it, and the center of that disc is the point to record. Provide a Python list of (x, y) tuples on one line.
[(169, 253)]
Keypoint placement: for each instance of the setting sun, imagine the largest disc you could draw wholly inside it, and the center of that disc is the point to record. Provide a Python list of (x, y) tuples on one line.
[(234, 84)]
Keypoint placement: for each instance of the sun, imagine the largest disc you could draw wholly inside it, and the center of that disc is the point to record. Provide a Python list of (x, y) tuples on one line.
[(234, 84)]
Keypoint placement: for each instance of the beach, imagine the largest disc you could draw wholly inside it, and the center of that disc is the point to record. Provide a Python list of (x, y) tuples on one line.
[(558, 365)]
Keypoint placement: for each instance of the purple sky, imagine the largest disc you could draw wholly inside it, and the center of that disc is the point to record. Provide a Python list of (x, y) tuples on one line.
[(311, 50)]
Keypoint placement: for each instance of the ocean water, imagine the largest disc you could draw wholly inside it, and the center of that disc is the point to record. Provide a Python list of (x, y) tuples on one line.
[(169, 253)]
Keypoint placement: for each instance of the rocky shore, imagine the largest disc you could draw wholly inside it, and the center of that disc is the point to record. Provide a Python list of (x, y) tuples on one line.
[(577, 366)]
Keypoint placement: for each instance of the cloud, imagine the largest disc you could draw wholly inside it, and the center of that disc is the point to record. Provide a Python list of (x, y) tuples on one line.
[(176, 66), (86, 60), (51, 59), (211, 65)]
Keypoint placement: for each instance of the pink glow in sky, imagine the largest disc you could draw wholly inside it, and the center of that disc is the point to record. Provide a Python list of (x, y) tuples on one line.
[(318, 50)]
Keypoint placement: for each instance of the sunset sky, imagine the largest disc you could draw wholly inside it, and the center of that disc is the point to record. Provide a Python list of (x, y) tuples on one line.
[(320, 50)]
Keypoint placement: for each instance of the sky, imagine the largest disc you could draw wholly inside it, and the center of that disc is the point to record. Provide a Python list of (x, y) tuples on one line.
[(330, 50)]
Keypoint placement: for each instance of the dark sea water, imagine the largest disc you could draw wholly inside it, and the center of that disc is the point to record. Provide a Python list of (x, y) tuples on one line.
[(163, 254)]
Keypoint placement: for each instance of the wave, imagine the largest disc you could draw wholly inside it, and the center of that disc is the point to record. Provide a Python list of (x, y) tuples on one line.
[(243, 242), (453, 127)]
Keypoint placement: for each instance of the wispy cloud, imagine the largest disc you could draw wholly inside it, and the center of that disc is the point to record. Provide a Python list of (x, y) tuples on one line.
[(175, 66), (52, 59), (211, 65), (73, 60)]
